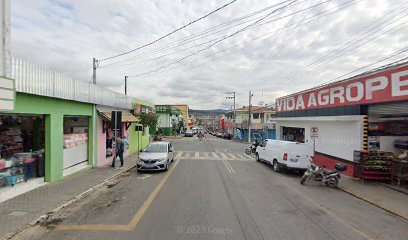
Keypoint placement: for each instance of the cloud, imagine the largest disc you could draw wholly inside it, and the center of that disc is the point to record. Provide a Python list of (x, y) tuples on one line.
[(66, 34)]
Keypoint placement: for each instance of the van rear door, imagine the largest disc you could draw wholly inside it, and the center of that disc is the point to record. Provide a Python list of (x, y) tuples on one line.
[(298, 155)]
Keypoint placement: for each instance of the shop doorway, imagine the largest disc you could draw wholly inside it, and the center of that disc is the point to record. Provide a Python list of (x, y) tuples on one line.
[(22, 143), (75, 155), (293, 134)]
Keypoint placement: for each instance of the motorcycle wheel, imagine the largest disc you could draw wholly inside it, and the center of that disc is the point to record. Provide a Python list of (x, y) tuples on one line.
[(303, 180), (248, 151), (332, 182)]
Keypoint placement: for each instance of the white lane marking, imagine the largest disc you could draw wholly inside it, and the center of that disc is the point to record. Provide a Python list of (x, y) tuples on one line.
[(229, 167), (178, 154), (223, 155), (189, 155), (144, 176), (225, 163)]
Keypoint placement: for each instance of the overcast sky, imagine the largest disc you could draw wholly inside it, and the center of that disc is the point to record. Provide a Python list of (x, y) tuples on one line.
[(297, 45)]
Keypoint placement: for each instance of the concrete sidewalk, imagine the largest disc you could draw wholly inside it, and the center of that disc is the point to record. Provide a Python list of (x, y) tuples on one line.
[(18, 212), (377, 194)]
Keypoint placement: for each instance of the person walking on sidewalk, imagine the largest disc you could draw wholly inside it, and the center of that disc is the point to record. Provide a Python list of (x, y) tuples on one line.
[(120, 148)]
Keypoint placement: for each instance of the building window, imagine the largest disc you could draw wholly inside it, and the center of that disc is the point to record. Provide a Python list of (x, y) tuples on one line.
[(256, 115)]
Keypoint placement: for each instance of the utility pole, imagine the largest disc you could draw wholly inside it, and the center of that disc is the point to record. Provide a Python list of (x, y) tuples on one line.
[(231, 95), (94, 66), (5, 58), (249, 115), (126, 77)]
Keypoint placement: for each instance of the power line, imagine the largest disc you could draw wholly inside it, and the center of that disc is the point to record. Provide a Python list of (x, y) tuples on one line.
[(323, 13), (401, 60), (372, 64), (342, 53), (276, 47), (351, 42), (199, 35), (206, 48), (168, 34)]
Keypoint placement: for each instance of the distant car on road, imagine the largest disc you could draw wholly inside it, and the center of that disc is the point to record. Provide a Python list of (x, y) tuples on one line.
[(195, 130), (188, 133), (219, 134), (227, 136), (156, 156)]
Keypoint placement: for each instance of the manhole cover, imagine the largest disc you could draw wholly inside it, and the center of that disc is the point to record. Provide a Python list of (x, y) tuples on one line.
[(17, 214)]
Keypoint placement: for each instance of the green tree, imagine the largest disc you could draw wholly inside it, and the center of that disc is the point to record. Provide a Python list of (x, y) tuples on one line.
[(149, 120)]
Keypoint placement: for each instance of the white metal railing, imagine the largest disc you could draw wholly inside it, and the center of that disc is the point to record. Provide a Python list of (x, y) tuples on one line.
[(33, 79)]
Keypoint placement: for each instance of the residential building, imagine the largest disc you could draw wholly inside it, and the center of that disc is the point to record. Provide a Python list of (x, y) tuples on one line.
[(170, 121), (262, 125)]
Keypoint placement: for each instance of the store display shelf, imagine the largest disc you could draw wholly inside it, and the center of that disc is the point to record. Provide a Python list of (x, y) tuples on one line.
[(375, 178), (376, 173), (371, 162), (14, 166), (11, 134), (377, 169), (9, 149)]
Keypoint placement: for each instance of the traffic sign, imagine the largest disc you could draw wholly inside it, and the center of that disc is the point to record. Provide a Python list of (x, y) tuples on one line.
[(314, 132)]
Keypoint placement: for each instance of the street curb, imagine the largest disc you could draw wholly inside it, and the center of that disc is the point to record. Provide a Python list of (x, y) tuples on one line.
[(373, 203), (395, 189), (65, 204)]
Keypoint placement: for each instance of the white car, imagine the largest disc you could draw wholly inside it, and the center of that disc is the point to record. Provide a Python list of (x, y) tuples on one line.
[(285, 155), (156, 156)]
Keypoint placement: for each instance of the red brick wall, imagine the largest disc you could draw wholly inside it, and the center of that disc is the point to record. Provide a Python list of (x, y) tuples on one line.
[(324, 161)]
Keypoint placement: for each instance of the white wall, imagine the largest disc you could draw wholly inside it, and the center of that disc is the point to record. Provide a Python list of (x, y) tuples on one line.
[(337, 137), (163, 120)]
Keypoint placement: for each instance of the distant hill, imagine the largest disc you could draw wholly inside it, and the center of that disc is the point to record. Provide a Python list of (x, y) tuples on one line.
[(209, 111)]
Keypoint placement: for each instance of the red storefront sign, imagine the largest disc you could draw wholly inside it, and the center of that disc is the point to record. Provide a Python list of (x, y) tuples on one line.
[(385, 86), (228, 124)]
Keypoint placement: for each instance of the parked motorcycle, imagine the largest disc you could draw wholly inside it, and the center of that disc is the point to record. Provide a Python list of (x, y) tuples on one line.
[(329, 177), (252, 148)]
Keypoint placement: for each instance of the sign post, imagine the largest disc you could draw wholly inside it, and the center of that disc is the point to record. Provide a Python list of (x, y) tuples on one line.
[(314, 133)]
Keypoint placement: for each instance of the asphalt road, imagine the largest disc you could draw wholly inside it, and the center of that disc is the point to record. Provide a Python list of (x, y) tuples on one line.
[(214, 191)]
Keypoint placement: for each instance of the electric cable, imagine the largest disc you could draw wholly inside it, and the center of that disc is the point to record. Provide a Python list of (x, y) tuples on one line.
[(170, 33), (213, 44)]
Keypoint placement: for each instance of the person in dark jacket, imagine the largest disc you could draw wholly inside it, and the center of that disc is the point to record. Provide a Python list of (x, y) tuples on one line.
[(120, 149)]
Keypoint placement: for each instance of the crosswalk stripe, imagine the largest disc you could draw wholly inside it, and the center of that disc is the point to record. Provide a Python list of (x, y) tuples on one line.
[(189, 155), (178, 154), (223, 155)]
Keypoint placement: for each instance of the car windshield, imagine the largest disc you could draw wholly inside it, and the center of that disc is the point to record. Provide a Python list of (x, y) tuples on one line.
[(156, 148)]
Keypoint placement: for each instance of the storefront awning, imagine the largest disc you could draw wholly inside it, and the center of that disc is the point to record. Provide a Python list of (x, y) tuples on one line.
[(126, 117)]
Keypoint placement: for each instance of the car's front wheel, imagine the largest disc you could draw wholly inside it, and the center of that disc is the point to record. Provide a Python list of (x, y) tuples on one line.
[(166, 167), (257, 157)]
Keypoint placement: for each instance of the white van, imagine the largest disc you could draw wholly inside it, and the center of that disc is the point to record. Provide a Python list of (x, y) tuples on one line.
[(285, 155)]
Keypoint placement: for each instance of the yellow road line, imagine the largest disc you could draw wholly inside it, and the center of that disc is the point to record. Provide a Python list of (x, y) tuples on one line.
[(135, 220), (149, 200)]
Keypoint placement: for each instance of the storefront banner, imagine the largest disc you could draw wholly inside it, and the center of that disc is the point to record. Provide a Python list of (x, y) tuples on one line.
[(386, 86), (142, 109), (7, 94), (228, 124)]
